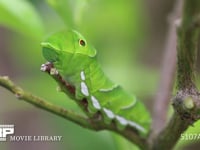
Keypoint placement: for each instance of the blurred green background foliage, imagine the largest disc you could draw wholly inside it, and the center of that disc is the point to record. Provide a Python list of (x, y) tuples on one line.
[(128, 35)]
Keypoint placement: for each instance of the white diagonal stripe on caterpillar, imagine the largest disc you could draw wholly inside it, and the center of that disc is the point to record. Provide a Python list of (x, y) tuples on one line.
[(84, 89), (133, 124), (122, 120), (109, 113), (95, 102), (82, 75)]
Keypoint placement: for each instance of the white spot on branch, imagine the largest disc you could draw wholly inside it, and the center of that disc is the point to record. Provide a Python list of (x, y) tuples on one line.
[(43, 67), (53, 71)]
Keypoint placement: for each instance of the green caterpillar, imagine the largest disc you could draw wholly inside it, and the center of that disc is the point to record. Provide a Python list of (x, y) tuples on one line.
[(76, 62)]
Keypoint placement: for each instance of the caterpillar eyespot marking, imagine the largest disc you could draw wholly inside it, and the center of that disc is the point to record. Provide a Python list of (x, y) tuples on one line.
[(82, 42)]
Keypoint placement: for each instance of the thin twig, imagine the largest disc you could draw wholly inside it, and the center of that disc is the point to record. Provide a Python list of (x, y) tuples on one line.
[(39, 102), (167, 73)]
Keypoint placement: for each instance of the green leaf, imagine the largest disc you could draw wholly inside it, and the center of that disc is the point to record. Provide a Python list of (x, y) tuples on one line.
[(69, 10), (123, 144), (62, 7), (22, 17)]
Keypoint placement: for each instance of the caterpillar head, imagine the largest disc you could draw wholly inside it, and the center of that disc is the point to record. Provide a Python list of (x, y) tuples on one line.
[(67, 41)]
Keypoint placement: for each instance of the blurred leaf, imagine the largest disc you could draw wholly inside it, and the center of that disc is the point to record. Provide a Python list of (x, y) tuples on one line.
[(69, 10), (123, 144), (21, 49), (116, 20), (22, 17), (62, 7)]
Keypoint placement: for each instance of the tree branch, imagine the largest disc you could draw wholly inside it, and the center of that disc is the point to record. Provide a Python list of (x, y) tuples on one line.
[(43, 104), (170, 135), (168, 70), (188, 33), (187, 101)]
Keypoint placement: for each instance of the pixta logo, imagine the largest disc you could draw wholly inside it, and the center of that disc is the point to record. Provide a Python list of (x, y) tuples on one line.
[(6, 130)]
